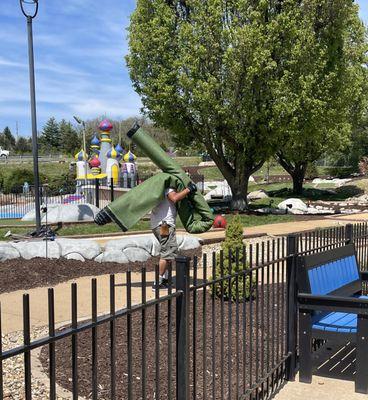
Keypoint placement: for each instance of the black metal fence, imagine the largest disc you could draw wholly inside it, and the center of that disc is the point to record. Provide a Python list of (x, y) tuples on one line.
[(226, 330)]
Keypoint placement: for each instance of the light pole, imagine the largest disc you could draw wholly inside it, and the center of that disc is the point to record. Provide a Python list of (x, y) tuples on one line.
[(29, 9), (81, 122)]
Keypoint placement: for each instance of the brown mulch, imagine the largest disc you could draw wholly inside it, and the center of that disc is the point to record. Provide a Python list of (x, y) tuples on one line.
[(20, 274), (261, 345)]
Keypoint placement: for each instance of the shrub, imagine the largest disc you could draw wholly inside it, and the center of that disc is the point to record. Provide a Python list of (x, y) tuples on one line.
[(232, 261), (14, 180)]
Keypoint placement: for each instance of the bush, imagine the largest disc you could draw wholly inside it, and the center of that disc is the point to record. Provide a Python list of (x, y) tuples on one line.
[(14, 180), (233, 259)]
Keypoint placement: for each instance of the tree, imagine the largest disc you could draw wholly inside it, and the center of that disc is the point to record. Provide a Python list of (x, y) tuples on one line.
[(206, 71), (7, 140), (50, 136), (322, 91), (22, 145), (69, 140)]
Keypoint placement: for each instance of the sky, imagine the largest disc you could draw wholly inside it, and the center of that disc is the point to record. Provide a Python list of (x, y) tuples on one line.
[(79, 59)]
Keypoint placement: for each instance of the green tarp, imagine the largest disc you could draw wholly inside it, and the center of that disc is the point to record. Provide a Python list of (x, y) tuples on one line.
[(193, 211)]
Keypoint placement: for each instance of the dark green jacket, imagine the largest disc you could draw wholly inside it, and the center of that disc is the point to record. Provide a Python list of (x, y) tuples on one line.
[(193, 211)]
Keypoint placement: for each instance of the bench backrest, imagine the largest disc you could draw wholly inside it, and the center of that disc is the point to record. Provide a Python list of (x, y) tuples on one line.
[(333, 271)]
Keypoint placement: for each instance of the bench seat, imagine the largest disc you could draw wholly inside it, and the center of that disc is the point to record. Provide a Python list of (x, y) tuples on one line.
[(332, 307), (337, 321)]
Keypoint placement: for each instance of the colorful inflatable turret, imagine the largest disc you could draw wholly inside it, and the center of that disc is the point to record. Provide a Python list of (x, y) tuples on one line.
[(131, 169), (82, 167), (112, 166), (105, 128)]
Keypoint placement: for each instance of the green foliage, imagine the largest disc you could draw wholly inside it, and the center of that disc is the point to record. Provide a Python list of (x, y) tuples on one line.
[(250, 78), (7, 140), (23, 145), (15, 178), (230, 260), (50, 139), (69, 140), (322, 91)]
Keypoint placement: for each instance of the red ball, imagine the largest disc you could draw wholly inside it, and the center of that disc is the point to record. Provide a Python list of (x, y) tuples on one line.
[(219, 222)]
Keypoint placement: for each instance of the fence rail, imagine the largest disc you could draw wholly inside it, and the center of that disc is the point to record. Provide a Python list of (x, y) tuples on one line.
[(226, 329)]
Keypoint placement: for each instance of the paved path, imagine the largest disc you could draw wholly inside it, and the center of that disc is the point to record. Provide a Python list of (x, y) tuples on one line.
[(319, 389), (11, 303), (278, 229)]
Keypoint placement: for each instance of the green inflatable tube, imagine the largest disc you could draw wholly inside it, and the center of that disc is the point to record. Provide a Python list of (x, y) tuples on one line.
[(127, 210)]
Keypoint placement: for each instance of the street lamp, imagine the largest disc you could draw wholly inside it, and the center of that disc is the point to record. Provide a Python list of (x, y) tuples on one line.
[(29, 9), (81, 122)]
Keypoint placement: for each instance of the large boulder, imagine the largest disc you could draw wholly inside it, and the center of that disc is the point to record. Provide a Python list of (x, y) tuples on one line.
[(293, 206), (88, 249), (33, 249), (134, 254), (116, 256), (144, 242), (65, 213), (257, 195), (8, 252)]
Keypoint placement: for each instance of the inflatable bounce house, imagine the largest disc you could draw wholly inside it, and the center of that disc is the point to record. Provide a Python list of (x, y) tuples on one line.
[(112, 165)]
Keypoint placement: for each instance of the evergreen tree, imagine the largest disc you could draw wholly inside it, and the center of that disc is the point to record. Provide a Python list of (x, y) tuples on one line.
[(50, 136), (69, 140), (7, 140), (23, 145)]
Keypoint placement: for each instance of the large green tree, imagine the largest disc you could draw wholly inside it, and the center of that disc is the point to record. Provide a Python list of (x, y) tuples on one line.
[(7, 140), (242, 77), (50, 139), (206, 70), (69, 139), (323, 83)]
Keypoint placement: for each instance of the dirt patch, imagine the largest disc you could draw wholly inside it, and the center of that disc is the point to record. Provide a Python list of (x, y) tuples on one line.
[(20, 274), (232, 346)]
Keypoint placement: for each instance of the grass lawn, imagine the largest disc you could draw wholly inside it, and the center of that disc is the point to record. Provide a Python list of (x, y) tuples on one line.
[(90, 229)]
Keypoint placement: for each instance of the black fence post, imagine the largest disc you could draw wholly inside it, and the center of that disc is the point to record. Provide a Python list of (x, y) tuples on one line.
[(97, 193), (112, 189), (349, 234), (292, 319), (182, 328)]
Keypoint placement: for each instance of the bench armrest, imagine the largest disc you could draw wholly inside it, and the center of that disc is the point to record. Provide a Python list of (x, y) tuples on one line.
[(352, 305), (364, 275)]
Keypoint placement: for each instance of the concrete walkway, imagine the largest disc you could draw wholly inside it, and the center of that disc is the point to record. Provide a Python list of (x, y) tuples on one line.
[(320, 388), (12, 311), (278, 229)]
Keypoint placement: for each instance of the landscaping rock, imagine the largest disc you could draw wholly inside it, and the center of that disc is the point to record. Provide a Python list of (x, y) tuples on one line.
[(8, 252), (32, 249), (293, 206), (189, 243), (75, 256), (144, 242), (88, 249), (65, 213), (258, 194), (116, 256), (134, 254)]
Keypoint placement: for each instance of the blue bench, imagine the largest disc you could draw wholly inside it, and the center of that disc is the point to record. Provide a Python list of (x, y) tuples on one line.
[(331, 307)]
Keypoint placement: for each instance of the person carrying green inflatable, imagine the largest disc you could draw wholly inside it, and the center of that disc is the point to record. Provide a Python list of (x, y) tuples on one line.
[(165, 195)]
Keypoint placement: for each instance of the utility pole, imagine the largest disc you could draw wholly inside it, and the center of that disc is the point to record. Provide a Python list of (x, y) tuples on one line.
[(29, 9)]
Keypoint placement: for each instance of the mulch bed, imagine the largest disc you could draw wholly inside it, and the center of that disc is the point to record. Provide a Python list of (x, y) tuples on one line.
[(262, 345), (20, 274)]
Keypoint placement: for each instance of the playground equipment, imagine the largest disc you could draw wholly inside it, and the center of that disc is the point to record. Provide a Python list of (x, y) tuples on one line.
[(104, 162)]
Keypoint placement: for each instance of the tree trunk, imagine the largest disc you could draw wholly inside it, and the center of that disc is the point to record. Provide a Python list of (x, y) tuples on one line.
[(239, 189), (298, 175), (297, 172), (298, 179)]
